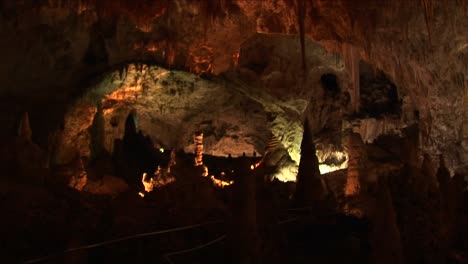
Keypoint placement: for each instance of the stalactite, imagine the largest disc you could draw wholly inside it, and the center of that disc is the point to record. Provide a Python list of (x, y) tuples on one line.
[(351, 59), (300, 12), (428, 7)]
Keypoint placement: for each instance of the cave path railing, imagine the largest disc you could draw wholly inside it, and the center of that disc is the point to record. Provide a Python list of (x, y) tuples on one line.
[(126, 238)]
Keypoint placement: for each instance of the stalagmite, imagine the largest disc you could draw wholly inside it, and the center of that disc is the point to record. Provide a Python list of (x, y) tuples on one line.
[(384, 236), (356, 174), (198, 141), (448, 198), (354, 145), (131, 126), (309, 185), (24, 129), (243, 234), (97, 134), (351, 61)]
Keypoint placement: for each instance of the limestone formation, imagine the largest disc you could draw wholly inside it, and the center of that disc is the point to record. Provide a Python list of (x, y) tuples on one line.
[(198, 151), (97, 135), (351, 61), (356, 164), (243, 235), (384, 234), (198, 142), (309, 188), (356, 181)]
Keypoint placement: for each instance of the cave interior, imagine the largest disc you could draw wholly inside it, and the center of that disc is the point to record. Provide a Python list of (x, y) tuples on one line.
[(237, 131)]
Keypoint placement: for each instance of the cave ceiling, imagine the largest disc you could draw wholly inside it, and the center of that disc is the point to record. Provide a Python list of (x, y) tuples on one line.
[(50, 50)]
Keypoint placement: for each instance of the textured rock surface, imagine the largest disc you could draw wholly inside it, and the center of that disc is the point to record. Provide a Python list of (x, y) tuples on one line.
[(171, 105), (422, 48), (58, 44)]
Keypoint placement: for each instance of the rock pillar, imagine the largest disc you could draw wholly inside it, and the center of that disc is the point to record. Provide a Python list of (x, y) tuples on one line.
[(198, 141), (309, 186), (243, 233), (356, 178)]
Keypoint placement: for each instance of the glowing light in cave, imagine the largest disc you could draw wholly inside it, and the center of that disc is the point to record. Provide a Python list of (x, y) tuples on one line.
[(161, 150), (221, 183), (147, 183), (125, 93), (324, 168), (287, 174), (332, 161), (254, 166), (157, 180)]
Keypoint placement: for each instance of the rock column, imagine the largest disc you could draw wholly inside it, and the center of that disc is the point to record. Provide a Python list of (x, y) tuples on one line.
[(198, 141), (356, 174), (243, 233)]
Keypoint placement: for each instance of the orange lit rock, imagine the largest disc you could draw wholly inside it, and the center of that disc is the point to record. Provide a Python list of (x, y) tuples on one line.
[(356, 174), (356, 164), (198, 141)]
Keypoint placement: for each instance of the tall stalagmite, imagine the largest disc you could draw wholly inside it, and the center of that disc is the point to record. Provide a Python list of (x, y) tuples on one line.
[(198, 141), (384, 236), (356, 178), (97, 135), (309, 185), (198, 162), (243, 234), (356, 163)]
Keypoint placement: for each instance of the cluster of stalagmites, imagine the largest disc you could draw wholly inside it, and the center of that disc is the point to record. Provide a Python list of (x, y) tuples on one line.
[(413, 212)]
